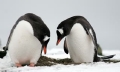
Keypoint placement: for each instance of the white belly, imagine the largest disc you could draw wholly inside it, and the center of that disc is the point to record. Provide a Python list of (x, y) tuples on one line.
[(24, 47), (80, 45)]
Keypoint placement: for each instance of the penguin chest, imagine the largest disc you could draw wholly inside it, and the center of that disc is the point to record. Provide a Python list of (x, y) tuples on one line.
[(24, 47), (80, 45)]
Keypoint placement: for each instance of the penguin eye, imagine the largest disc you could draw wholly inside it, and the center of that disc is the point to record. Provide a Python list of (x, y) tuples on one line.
[(46, 38)]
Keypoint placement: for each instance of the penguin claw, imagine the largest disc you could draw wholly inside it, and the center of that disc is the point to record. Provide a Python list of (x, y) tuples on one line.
[(32, 65), (18, 65)]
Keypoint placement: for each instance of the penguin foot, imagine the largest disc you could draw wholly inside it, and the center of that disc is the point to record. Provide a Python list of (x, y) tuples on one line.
[(18, 65), (32, 65)]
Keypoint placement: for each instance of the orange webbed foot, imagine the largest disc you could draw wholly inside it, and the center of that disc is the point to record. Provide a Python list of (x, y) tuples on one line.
[(32, 65), (18, 65)]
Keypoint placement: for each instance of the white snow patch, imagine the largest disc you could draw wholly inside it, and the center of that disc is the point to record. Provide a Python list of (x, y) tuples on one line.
[(57, 53), (6, 64)]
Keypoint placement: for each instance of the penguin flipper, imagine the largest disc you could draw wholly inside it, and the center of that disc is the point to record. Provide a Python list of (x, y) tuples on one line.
[(65, 47), (96, 58), (90, 33), (3, 53)]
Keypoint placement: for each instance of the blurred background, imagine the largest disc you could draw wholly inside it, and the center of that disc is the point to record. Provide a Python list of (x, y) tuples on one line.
[(103, 15)]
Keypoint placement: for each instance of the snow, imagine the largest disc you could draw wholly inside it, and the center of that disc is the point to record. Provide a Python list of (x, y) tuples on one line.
[(57, 54), (7, 66), (99, 67)]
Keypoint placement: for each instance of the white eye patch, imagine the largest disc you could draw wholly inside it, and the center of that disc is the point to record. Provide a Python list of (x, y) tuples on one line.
[(61, 31), (46, 38)]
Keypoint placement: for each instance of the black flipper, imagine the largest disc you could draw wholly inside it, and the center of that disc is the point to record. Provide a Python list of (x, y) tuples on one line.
[(65, 47), (90, 33), (3, 53), (96, 59)]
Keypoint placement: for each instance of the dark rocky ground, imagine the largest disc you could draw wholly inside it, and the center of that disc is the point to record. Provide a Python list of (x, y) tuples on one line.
[(46, 61)]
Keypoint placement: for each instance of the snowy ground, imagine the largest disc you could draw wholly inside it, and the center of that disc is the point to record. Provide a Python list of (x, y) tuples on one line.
[(5, 64)]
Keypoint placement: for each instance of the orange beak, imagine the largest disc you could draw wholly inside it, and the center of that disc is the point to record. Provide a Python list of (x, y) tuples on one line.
[(58, 41), (45, 50)]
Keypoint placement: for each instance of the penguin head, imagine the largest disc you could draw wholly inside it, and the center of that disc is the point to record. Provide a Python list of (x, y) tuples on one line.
[(44, 42), (65, 26), (44, 37), (41, 31), (64, 29), (60, 35)]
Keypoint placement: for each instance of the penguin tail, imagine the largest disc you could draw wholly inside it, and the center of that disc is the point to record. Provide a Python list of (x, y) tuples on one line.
[(102, 58)]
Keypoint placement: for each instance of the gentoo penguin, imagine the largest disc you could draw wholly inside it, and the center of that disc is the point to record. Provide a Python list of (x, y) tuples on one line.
[(80, 39), (27, 38)]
